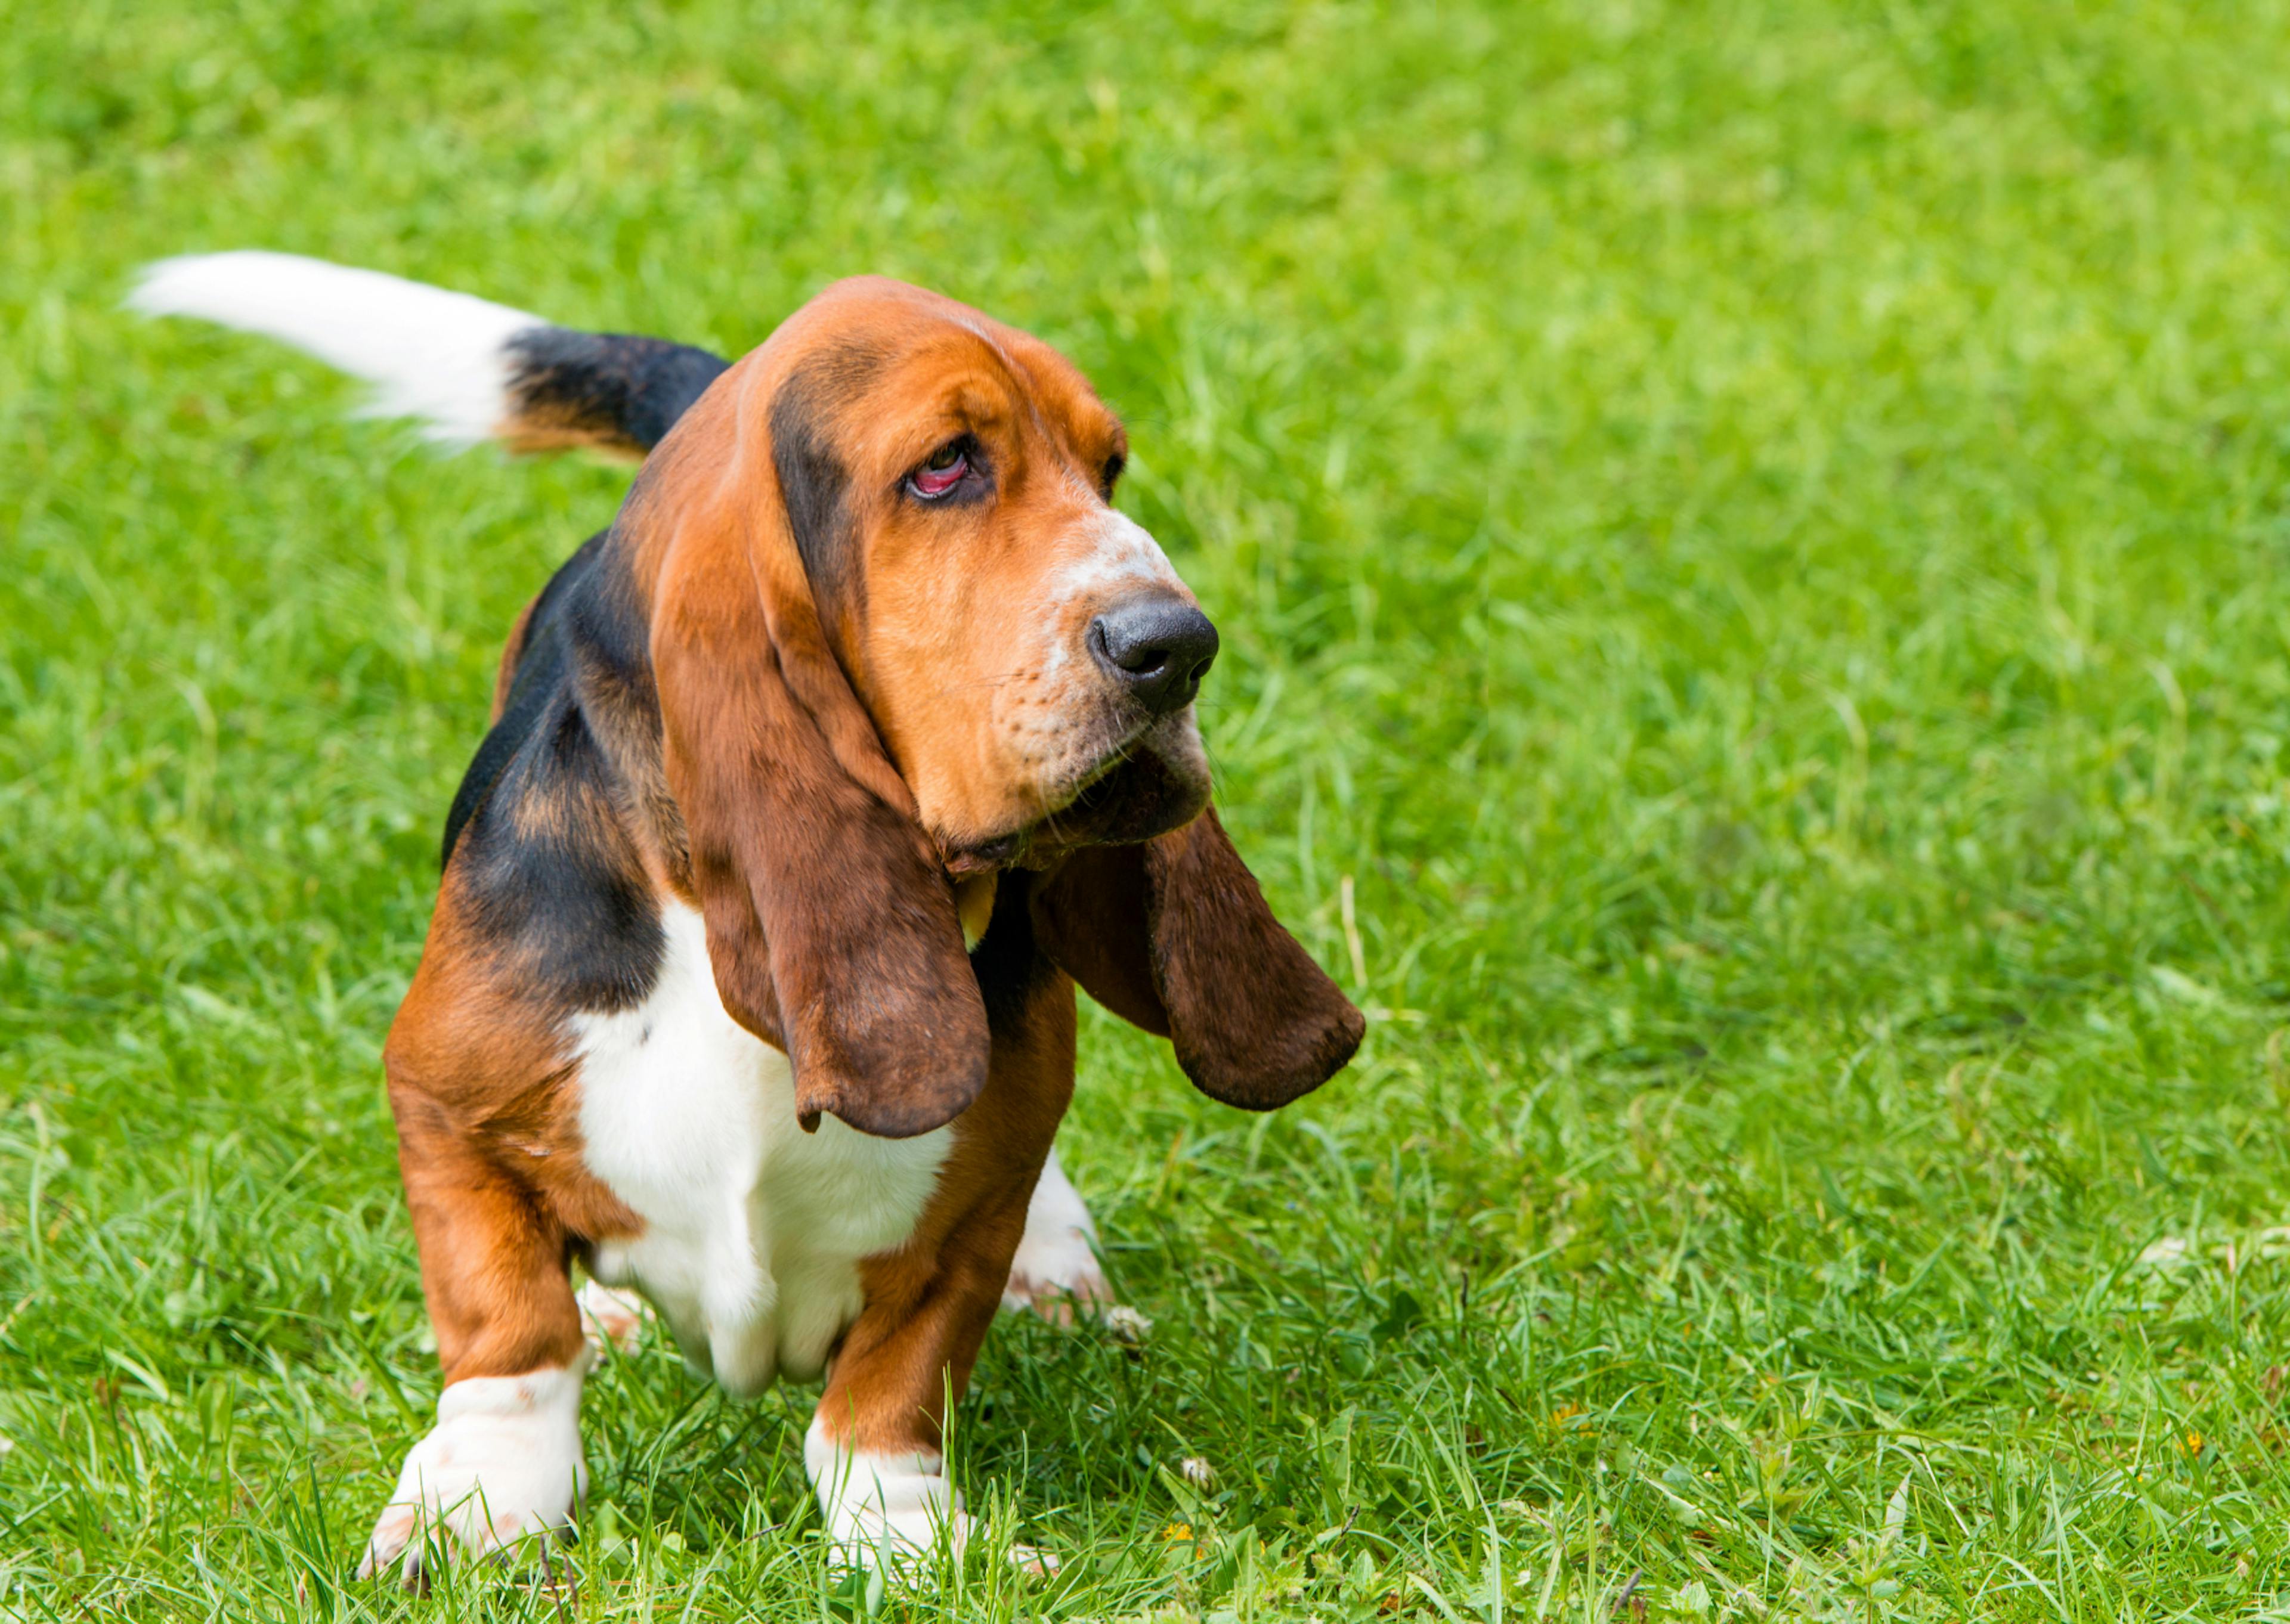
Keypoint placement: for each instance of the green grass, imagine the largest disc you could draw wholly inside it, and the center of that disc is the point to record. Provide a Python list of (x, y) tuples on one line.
[(1751, 543)]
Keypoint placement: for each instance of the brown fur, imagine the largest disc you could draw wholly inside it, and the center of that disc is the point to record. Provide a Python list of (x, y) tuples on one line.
[(537, 430)]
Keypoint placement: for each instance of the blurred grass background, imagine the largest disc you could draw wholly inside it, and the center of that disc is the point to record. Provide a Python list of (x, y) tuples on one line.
[(1748, 538)]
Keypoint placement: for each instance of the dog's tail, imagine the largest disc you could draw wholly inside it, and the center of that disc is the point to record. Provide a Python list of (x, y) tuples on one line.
[(471, 370)]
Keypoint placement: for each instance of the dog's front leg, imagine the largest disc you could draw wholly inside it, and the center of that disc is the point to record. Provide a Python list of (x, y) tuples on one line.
[(504, 1461), (875, 1450)]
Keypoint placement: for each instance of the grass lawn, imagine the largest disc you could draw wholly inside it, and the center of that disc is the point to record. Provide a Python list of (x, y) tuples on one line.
[(1751, 542)]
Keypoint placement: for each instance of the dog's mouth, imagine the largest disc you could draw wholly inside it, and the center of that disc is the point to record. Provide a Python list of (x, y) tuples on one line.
[(1148, 785)]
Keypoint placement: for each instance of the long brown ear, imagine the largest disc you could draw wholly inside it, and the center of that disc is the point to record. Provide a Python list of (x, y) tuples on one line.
[(832, 929), (1174, 936)]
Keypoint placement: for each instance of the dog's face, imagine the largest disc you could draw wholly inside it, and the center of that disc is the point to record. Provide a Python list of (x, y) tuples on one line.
[(898, 630), (1025, 650)]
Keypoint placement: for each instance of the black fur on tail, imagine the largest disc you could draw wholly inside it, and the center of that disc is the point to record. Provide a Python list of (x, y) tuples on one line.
[(606, 391)]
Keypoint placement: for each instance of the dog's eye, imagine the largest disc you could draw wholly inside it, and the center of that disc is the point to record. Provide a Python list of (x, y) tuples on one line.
[(941, 472)]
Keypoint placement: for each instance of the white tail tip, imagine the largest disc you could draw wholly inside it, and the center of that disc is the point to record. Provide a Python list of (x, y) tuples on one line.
[(430, 353)]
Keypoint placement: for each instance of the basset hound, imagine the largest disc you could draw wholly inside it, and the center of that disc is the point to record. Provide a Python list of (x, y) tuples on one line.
[(814, 785)]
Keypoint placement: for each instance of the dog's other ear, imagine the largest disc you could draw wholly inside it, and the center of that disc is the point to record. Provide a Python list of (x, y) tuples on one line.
[(832, 929), (1174, 935)]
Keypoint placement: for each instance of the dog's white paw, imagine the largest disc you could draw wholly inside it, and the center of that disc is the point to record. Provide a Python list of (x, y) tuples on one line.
[(502, 1465), (611, 1316), (897, 1507), (876, 1503), (1056, 1271)]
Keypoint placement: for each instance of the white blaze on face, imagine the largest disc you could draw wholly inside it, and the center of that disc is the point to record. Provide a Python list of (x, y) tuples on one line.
[(1047, 714), (1115, 560)]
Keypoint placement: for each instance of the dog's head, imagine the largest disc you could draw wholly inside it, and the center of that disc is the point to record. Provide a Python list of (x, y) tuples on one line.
[(902, 637)]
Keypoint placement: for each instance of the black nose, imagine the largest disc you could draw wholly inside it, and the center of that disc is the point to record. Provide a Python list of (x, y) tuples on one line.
[(1159, 648)]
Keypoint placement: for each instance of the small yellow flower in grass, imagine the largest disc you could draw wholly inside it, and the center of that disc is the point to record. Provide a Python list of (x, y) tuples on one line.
[(1176, 1530), (2194, 1443)]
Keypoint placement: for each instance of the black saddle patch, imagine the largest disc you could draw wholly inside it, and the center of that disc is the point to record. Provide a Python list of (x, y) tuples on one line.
[(611, 387), (536, 830)]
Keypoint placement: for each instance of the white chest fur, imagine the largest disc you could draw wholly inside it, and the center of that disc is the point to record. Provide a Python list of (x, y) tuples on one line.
[(753, 1229)]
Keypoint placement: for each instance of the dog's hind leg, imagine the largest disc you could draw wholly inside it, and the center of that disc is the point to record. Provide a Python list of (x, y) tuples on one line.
[(1056, 1271)]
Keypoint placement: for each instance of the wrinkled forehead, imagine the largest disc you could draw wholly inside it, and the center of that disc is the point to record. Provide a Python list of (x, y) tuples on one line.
[(874, 364)]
